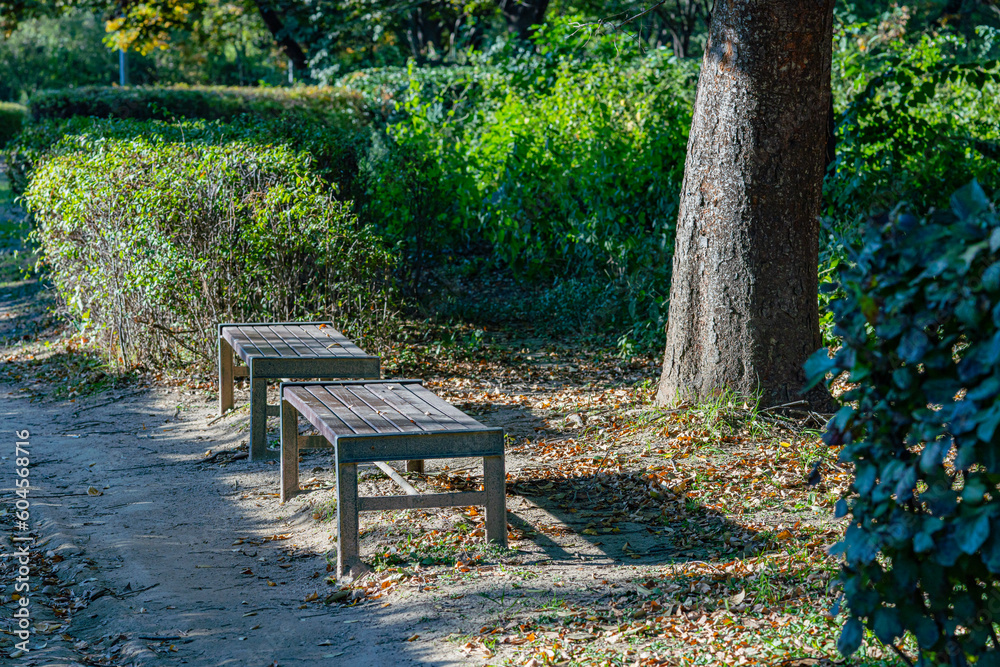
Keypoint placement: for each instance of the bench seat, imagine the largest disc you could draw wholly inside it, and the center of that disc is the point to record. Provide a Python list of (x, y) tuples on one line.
[(390, 420), (283, 350)]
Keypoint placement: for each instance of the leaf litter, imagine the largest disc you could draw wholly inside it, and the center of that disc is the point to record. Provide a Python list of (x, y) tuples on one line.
[(689, 536)]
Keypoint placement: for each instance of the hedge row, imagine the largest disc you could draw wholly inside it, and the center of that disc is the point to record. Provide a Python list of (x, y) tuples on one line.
[(204, 102), (12, 118), (334, 144), (151, 243)]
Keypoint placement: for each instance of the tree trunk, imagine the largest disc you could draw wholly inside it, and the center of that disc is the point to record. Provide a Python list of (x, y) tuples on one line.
[(743, 298), (421, 33), (522, 14), (277, 29)]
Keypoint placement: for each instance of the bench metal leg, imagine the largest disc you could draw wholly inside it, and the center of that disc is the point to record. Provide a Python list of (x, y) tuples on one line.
[(417, 465), (494, 483), (289, 451), (225, 376), (348, 550), (258, 418)]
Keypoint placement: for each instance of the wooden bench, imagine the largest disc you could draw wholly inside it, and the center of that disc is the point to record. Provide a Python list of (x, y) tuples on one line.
[(284, 350), (393, 420)]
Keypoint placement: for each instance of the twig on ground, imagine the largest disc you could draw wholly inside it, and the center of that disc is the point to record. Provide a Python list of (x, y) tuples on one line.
[(137, 590), (227, 413), (601, 467), (784, 405), (237, 456)]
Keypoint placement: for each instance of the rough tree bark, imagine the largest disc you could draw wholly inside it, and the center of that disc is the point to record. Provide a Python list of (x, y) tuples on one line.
[(743, 312)]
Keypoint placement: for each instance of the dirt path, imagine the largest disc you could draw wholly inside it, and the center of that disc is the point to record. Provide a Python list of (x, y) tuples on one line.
[(178, 549), (144, 553)]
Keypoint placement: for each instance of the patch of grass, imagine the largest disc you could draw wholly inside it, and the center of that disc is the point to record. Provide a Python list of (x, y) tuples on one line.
[(728, 414)]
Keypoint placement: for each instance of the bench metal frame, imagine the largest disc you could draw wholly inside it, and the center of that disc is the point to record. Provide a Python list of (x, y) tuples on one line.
[(350, 449), (261, 368)]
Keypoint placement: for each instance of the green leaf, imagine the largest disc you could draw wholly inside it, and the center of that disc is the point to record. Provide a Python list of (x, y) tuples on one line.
[(972, 532), (886, 625), (817, 367), (913, 346), (850, 638), (840, 509), (924, 629), (969, 201), (991, 552), (922, 543), (934, 454)]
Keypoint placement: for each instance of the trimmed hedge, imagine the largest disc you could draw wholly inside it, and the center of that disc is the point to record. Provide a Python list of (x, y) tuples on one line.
[(152, 243), (180, 102), (12, 118), (920, 325), (335, 143)]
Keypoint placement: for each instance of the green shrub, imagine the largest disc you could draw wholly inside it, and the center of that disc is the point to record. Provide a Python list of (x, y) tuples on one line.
[(153, 243), (11, 121), (335, 143), (920, 329), (180, 102), (383, 90), (560, 169), (921, 118)]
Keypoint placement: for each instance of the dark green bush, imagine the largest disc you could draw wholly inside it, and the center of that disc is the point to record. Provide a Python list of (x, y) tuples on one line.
[(11, 121), (919, 321), (205, 102), (153, 243)]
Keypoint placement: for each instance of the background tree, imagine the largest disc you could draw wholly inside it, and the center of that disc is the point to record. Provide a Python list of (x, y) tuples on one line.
[(743, 299), (520, 15)]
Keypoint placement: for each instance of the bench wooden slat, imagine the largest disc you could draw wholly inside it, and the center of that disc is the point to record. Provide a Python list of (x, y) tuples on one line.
[(344, 416), (441, 408), (447, 408), (356, 407), (319, 414), (329, 336), (428, 409), (316, 347), (384, 409), (241, 345), (405, 410), (290, 339), (274, 339), (258, 341), (336, 345)]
